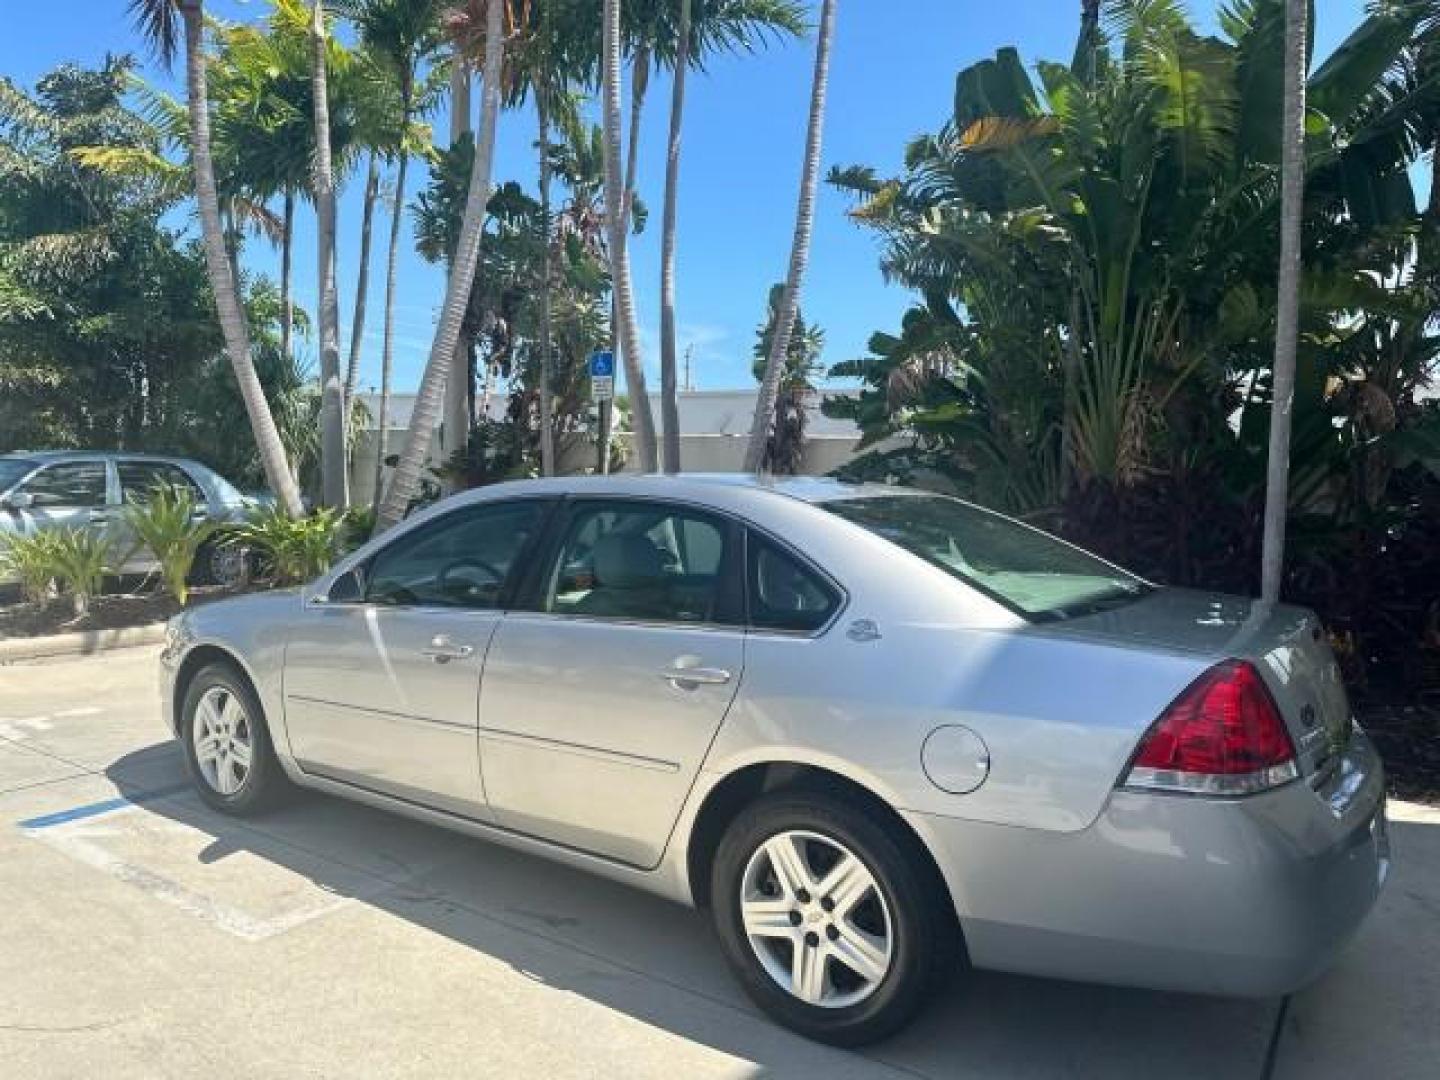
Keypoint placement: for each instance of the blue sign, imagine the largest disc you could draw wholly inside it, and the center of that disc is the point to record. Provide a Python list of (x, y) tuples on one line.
[(602, 365)]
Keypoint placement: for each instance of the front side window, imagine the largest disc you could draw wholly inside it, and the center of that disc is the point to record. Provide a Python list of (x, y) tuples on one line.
[(139, 478), (460, 560), (649, 562), (784, 594), (1029, 571), (77, 484)]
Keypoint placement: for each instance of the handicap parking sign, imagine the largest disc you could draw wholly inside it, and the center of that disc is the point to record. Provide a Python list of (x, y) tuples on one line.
[(602, 376)]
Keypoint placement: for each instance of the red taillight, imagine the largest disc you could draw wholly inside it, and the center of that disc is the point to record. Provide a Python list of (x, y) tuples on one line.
[(1223, 735)]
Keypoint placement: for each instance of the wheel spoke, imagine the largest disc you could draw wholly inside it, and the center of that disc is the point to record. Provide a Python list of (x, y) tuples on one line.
[(207, 748), (232, 714), (788, 862), (240, 752), (860, 952), (206, 716), (768, 918), (807, 974), (846, 884), (224, 775)]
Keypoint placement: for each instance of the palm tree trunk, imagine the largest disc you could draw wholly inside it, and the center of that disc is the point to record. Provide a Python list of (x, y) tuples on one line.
[(362, 284), (799, 249), (669, 406), (387, 347), (628, 330), (287, 298), (639, 83), (1287, 312), (456, 425), (222, 280), (333, 478), (431, 397), (547, 433)]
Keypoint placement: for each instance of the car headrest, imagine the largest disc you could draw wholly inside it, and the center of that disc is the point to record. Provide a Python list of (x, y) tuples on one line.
[(626, 561)]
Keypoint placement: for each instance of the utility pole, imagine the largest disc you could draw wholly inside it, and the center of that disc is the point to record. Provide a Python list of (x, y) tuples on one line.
[(688, 350)]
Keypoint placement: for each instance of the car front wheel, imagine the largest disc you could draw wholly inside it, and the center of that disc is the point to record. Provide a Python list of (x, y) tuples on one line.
[(833, 924), (227, 746)]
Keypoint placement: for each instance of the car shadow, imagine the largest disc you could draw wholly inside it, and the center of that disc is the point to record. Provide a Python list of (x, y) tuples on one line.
[(657, 962)]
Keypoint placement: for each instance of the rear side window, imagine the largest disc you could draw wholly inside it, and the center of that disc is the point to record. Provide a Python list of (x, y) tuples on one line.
[(73, 484), (785, 594), (642, 561), (139, 478)]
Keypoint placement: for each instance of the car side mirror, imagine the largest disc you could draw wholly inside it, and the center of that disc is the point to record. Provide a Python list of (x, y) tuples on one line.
[(348, 588), (17, 500)]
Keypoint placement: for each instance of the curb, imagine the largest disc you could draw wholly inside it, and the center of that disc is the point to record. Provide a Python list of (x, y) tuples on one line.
[(83, 643)]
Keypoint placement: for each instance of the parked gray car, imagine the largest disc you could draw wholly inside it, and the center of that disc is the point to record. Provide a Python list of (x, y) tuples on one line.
[(877, 732), (83, 489)]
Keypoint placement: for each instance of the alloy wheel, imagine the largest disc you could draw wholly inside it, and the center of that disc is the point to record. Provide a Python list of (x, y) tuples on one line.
[(223, 740), (816, 919)]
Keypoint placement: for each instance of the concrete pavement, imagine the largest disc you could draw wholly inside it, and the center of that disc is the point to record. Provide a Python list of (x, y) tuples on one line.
[(142, 935)]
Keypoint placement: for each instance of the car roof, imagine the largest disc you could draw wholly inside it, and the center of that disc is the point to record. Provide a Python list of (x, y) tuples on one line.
[(810, 489), (47, 457)]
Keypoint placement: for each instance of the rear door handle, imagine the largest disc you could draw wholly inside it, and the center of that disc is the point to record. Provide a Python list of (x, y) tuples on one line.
[(687, 678), (442, 650)]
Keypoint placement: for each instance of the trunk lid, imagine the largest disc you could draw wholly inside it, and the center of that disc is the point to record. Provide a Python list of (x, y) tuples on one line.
[(1285, 643)]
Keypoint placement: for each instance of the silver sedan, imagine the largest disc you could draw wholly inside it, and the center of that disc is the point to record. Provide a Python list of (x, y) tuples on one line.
[(877, 733)]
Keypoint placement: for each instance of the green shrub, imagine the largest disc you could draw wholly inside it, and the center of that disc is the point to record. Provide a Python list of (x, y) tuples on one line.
[(293, 549), (356, 525), (81, 559), (30, 559), (165, 524)]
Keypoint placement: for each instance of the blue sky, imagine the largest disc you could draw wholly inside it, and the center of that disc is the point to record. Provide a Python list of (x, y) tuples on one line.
[(892, 77)]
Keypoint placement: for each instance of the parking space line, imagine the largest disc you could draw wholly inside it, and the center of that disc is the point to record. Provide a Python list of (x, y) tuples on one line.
[(78, 833), (103, 807)]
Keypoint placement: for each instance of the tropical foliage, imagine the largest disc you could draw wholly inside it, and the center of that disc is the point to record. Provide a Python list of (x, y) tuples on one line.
[(1094, 250), (785, 445), (165, 523)]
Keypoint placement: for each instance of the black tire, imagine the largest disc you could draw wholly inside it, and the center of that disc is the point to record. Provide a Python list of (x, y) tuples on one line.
[(923, 926), (265, 784)]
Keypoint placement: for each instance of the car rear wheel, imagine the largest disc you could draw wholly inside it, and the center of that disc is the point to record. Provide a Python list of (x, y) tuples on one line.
[(227, 745), (831, 923), (218, 563)]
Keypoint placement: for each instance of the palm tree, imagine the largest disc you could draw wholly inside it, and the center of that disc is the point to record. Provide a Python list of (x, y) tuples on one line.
[(716, 24), (333, 456), (429, 400), (362, 279), (800, 247), (402, 33), (456, 418), (669, 405), (157, 21), (627, 330), (1287, 308)]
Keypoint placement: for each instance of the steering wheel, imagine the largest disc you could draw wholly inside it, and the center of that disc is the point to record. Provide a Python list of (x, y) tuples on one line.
[(449, 584)]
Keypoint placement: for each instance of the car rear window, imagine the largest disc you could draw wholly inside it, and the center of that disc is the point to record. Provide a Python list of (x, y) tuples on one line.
[(1030, 572)]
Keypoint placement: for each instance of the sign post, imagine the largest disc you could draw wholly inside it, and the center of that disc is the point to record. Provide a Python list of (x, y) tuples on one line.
[(602, 392)]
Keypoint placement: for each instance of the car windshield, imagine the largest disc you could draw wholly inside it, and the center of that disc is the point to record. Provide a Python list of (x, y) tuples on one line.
[(11, 470), (1028, 571)]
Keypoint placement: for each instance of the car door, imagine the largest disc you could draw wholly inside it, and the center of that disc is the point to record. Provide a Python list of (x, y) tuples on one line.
[(71, 494), (599, 703), (138, 478), (382, 682)]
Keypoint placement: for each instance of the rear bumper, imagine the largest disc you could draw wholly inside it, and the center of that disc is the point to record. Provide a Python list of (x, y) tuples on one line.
[(1248, 897)]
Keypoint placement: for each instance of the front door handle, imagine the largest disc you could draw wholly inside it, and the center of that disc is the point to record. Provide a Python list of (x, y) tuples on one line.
[(687, 678), (442, 650)]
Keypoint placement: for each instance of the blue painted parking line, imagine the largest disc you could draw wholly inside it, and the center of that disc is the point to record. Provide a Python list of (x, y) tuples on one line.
[(76, 813)]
